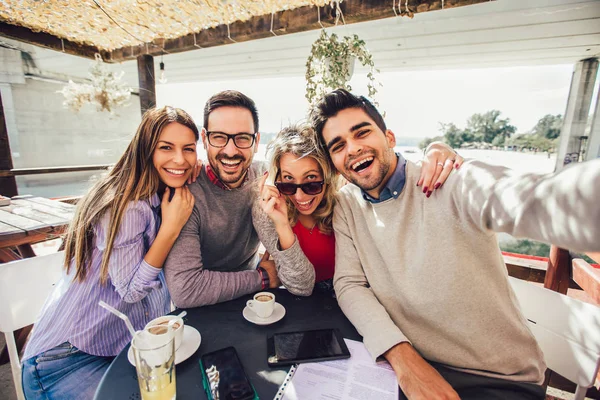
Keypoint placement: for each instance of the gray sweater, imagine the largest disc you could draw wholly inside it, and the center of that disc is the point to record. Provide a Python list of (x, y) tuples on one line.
[(215, 256), (429, 271), (293, 268)]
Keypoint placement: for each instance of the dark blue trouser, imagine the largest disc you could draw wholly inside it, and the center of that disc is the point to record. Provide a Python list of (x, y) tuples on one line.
[(477, 387)]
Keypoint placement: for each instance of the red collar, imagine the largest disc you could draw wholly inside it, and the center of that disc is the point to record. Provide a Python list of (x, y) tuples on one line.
[(216, 181)]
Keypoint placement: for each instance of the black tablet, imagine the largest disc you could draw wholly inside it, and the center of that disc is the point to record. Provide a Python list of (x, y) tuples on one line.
[(306, 346)]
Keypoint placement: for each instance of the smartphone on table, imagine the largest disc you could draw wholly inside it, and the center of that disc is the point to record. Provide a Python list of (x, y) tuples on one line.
[(306, 346), (234, 384)]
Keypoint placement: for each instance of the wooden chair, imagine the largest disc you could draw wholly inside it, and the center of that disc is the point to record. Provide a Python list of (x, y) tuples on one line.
[(24, 286), (567, 330)]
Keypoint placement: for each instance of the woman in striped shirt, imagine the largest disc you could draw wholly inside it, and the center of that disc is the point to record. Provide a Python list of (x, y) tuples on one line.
[(114, 251)]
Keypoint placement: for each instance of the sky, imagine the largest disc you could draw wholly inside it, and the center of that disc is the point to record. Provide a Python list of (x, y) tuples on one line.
[(415, 102)]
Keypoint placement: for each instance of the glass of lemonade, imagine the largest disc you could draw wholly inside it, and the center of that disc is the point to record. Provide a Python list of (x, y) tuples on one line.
[(155, 366)]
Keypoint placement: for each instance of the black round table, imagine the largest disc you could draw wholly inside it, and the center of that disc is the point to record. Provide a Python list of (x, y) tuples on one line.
[(222, 325)]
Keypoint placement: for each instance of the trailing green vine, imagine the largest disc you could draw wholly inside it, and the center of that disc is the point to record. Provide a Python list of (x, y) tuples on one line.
[(329, 65)]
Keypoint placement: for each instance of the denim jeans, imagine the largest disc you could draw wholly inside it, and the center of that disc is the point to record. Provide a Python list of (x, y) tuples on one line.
[(63, 372)]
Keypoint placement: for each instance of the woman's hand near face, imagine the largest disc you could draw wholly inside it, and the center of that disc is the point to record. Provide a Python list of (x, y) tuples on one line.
[(195, 172), (273, 203), (176, 212), (437, 164)]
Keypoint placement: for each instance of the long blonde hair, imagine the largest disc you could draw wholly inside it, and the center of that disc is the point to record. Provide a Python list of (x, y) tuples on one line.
[(301, 141), (133, 178)]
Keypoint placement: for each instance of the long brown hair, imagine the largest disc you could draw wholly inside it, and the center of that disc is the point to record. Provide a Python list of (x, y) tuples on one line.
[(133, 178), (301, 141)]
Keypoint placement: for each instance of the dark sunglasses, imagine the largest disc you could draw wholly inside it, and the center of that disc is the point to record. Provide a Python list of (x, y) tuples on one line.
[(310, 188)]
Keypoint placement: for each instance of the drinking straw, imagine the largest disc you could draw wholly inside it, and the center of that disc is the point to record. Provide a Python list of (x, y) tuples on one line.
[(120, 315)]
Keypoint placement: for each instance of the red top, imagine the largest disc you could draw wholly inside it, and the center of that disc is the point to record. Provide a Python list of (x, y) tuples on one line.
[(318, 248)]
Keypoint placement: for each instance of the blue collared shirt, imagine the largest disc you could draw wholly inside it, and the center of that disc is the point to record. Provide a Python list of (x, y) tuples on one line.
[(394, 185)]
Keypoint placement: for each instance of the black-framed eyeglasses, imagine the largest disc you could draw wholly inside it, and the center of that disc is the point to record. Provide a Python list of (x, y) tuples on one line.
[(221, 139), (310, 188)]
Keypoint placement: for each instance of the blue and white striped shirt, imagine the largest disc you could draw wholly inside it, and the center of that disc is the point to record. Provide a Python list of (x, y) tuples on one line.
[(137, 289)]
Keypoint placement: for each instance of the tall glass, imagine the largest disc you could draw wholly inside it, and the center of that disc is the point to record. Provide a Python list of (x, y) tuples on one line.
[(155, 366)]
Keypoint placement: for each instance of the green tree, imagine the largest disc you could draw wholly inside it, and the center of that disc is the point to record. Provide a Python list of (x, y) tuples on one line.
[(485, 127), (548, 126), (425, 142), (533, 248), (498, 141), (526, 246), (453, 136), (542, 143), (531, 141)]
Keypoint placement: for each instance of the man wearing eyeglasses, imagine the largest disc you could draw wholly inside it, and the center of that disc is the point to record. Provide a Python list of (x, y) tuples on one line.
[(215, 257)]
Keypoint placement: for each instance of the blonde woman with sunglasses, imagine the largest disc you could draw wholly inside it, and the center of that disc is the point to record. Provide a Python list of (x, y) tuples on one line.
[(293, 215)]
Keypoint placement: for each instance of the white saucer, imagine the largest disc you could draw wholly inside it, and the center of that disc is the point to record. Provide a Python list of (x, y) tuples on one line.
[(278, 313), (189, 345)]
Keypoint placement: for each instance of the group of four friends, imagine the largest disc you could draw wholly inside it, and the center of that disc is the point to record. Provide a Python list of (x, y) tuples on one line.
[(409, 249)]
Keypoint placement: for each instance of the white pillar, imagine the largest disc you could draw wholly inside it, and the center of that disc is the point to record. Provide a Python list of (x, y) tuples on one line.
[(593, 149), (577, 112)]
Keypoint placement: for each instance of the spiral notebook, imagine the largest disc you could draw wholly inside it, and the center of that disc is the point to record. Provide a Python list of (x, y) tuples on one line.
[(358, 375), (286, 381)]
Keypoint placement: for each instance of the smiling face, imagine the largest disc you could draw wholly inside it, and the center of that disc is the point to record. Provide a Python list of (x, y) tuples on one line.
[(360, 150), (175, 154), (230, 163), (301, 170)]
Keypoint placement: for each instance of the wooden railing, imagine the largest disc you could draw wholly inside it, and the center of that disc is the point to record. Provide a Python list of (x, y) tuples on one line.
[(52, 170), (577, 274)]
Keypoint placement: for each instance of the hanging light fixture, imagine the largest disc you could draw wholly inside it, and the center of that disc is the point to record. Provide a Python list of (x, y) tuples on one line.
[(162, 77), (104, 89)]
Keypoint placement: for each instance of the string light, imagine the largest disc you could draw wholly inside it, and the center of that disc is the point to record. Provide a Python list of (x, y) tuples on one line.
[(229, 34), (162, 77), (319, 16), (272, 15)]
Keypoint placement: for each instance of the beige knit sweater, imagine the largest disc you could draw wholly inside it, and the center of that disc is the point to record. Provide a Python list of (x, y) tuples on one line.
[(430, 271)]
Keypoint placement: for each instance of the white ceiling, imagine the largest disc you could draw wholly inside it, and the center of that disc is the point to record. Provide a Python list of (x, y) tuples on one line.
[(493, 34)]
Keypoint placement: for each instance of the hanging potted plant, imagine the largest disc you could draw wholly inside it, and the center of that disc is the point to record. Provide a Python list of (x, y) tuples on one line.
[(330, 65)]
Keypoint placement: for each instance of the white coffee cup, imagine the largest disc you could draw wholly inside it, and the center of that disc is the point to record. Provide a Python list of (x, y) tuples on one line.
[(262, 304), (158, 328)]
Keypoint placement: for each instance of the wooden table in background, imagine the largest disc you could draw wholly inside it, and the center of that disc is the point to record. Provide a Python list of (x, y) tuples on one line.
[(28, 220), (25, 221)]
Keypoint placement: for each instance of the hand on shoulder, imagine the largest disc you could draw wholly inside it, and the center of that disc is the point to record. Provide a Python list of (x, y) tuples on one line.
[(438, 162)]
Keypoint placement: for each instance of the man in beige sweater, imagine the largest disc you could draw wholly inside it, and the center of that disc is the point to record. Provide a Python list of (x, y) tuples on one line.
[(424, 282)]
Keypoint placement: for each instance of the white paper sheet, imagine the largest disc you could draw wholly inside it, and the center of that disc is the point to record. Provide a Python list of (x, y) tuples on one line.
[(357, 377)]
